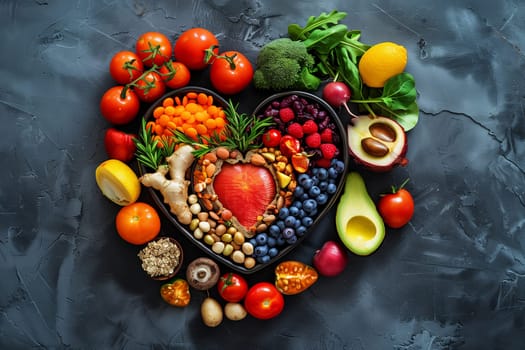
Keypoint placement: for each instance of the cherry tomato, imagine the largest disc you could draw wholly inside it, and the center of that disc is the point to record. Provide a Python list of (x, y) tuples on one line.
[(153, 48), (231, 72), (175, 74), (289, 145), (190, 47), (118, 110), (396, 208), (232, 287), (119, 145), (263, 301), (138, 223), (125, 66), (294, 277), (176, 293), (271, 138), (150, 88)]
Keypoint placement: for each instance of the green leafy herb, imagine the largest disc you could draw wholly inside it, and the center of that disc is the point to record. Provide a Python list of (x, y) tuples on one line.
[(337, 51), (148, 152)]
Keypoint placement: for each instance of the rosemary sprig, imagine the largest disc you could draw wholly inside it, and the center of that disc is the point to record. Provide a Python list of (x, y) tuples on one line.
[(240, 133), (148, 152)]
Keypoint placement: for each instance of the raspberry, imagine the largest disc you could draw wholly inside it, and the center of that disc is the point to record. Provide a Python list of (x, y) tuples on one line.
[(286, 114), (309, 127), (326, 136), (295, 130), (323, 163), (313, 140), (328, 150)]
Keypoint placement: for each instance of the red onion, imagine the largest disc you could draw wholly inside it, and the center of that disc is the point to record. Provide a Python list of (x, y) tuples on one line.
[(331, 259)]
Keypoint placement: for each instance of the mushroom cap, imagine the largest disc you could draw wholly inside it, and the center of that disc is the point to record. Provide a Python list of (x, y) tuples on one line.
[(202, 273)]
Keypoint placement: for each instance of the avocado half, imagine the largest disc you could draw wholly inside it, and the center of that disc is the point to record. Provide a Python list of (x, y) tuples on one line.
[(358, 223)]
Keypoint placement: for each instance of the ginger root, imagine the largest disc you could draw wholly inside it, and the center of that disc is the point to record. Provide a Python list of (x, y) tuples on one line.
[(175, 189)]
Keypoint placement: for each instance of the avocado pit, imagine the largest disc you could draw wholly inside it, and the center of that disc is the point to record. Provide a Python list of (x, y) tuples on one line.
[(377, 143)]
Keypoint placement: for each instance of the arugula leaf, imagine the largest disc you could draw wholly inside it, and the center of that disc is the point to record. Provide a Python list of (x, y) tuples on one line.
[(348, 71), (324, 40), (355, 47), (296, 32)]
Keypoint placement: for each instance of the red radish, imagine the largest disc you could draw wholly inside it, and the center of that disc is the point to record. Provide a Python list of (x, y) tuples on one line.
[(337, 94), (331, 259)]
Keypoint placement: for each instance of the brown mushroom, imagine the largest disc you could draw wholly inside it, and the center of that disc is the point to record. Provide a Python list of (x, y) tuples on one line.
[(202, 273)]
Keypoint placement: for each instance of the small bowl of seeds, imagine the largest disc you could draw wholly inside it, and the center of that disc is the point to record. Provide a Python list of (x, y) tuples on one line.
[(161, 258)]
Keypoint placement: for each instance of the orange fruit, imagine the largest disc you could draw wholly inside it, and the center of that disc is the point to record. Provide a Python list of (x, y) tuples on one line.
[(381, 62)]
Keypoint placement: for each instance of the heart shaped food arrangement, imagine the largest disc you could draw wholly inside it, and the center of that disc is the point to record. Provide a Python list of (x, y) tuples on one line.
[(245, 188)]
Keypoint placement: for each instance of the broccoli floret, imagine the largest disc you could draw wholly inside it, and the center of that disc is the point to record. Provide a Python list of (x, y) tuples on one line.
[(285, 64)]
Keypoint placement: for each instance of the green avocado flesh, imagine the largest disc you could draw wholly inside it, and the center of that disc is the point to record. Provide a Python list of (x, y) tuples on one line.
[(359, 225)]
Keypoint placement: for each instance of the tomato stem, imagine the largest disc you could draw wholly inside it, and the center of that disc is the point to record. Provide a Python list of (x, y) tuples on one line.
[(209, 54)]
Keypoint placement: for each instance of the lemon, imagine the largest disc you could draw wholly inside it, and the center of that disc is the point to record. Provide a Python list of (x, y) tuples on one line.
[(381, 62), (118, 182)]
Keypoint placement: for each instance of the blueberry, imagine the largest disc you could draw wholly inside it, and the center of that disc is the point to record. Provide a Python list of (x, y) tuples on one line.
[(331, 188), (273, 252), (301, 230), (253, 241), (296, 204), (297, 224), (315, 180), (305, 197), (302, 178), (274, 230), (291, 240), (322, 174), (309, 205), (288, 232), (263, 259), (261, 238), (333, 173), (322, 199), (280, 224), (302, 213), (261, 250), (323, 185), (338, 165), (284, 212), (289, 221), (308, 183), (314, 191), (307, 221), (281, 240), (294, 211), (299, 191), (271, 242)]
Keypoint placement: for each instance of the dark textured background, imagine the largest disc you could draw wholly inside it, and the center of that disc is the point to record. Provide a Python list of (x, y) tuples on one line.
[(454, 278)]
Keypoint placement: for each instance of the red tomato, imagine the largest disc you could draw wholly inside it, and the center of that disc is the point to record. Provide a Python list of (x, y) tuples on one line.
[(264, 301), (150, 88), (232, 287), (119, 145), (175, 74), (138, 223), (289, 145), (190, 47), (231, 72), (117, 109), (125, 66), (396, 208), (153, 48), (271, 138)]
